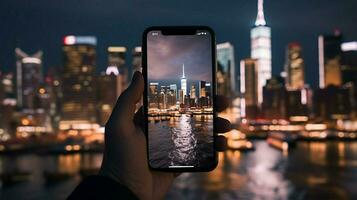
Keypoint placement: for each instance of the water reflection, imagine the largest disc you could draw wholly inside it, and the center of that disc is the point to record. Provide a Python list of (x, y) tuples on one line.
[(313, 170), (181, 141), (185, 142)]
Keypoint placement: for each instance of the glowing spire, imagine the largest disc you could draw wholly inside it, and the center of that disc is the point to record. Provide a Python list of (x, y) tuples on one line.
[(183, 70), (260, 17)]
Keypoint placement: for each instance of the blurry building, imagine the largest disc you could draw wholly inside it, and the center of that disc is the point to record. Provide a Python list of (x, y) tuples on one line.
[(349, 69), (51, 96), (249, 88), (225, 57), (116, 58), (298, 103), (261, 48), (193, 91), (332, 103), (109, 87), (173, 87), (136, 62), (274, 94), (7, 105), (28, 79), (79, 87), (330, 59), (153, 95), (294, 67)]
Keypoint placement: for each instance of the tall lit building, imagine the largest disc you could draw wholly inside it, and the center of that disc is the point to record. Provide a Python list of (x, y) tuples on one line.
[(249, 87), (183, 81), (330, 59), (261, 48), (202, 89), (116, 58), (173, 87), (28, 78), (136, 62), (193, 92), (225, 57), (294, 67), (153, 95), (79, 88)]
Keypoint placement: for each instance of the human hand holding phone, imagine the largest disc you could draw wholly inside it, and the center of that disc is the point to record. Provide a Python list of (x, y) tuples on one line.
[(125, 156)]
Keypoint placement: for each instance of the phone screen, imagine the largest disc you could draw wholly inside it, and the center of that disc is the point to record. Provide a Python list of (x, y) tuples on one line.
[(179, 106)]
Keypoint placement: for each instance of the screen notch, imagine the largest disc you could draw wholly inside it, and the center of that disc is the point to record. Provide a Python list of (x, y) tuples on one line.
[(179, 31)]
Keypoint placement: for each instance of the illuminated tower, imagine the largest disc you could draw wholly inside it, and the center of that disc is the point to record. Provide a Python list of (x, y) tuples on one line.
[(183, 82), (294, 67), (261, 48)]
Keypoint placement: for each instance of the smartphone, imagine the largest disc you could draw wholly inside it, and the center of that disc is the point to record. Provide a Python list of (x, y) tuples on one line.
[(179, 106)]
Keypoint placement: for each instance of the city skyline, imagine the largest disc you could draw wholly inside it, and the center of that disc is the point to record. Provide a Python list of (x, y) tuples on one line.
[(65, 21)]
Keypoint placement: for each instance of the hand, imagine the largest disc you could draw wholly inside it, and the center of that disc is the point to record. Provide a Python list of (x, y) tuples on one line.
[(125, 156)]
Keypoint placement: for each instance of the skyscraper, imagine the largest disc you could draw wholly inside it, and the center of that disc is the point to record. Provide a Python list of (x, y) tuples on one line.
[(183, 81), (28, 78), (261, 48), (225, 57), (79, 89), (116, 58), (109, 88), (153, 95), (136, 55), (193, 92), (330, 59), (249, 87), (294, 67), (173, 87), (202, 89)]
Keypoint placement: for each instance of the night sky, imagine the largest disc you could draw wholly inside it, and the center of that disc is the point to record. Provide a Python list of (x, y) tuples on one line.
[(167, 54), (41, 24)]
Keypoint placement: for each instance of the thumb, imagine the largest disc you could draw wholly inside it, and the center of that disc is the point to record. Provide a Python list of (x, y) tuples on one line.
[(124, 110)]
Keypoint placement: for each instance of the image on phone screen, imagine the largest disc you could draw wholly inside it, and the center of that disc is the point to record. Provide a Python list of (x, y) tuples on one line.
[(180, 100)]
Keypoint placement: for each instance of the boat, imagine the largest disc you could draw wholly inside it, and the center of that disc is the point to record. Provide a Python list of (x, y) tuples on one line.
[(282, 140)]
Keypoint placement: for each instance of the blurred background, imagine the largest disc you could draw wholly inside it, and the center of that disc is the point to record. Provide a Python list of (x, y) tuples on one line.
[(288, 67)]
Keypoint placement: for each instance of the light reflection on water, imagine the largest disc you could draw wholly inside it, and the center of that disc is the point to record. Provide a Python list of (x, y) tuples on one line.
[(184, 143), (315, 170), (181, 141)]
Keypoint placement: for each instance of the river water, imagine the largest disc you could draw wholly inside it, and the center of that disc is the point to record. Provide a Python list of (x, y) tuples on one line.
[(313, 170), (181, 141)]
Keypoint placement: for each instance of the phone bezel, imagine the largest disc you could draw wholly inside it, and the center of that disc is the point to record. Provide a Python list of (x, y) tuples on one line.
[(180, 30)]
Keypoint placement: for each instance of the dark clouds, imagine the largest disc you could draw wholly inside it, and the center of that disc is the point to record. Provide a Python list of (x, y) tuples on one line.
[(167, 54)]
